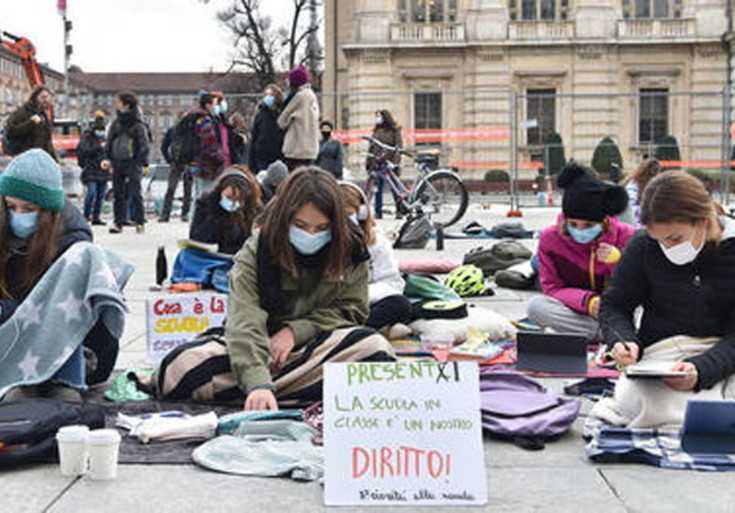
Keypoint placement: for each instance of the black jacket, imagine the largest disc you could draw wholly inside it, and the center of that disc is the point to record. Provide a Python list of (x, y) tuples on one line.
[(90, 154), (213, 225), (696, 299), (130, 121), (266, 140), (331, 157), (28, 134), (166, 145), (74, 229)]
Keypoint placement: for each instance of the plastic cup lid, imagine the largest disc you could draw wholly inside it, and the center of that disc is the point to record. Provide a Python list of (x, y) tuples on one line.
[(73, 433), (104, 436)]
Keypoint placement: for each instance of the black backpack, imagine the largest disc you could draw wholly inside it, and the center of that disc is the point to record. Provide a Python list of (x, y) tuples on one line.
[(185, 143), (28, 428), (11, 146)]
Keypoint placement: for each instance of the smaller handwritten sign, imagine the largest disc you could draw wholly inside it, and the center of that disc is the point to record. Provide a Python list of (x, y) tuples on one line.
[(176, 319), (403, 433)]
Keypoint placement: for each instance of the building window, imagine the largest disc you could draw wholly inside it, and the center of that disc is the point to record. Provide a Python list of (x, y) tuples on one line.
[(652, 9), (427, 110), (534, 10), (540, 115), (428, 11), (653, 115)]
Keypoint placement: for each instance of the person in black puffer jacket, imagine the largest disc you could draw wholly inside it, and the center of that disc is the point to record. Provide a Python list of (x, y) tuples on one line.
[(90, 154), (266, 138), (681, 272), (225, 215)]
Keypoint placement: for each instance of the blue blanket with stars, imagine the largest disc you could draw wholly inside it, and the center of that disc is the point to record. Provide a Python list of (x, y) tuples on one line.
[(43, 338)]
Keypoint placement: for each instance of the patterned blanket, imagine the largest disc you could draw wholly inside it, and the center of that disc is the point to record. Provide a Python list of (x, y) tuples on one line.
[(657, 447), (82, 287)]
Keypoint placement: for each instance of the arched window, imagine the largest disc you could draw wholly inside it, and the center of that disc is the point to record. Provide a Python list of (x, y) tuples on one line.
[(428, 11), (652, 9), (532, 10)]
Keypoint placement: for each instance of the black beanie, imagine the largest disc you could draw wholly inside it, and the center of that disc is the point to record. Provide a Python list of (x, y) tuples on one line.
[(588, 198)]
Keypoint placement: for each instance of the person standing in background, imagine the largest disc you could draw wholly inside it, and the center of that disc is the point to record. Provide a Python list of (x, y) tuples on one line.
[(300, 120), (388, 132), (266, 137), (331, 153), (90, 154), (208, 159), (31, 126), (176, 173)]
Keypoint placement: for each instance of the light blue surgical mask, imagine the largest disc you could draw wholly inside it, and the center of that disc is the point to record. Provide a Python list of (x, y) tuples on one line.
[(216, 110), (308, 243), (269, 101), (223, 107), (586, 235), (228, 204), (23, 225)]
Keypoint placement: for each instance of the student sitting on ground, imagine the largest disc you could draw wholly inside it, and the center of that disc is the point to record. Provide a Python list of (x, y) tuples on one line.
[(579, 253), (37, 225), (224, 215), (681, 272), (388, 305)]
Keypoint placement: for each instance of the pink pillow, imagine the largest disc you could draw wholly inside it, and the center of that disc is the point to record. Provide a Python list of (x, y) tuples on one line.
[(438, 266)]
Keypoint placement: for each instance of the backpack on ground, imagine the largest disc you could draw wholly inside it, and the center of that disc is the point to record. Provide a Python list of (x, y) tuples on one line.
[(414, 234), (499, 256), (28, 428), (519, 409), (185, 143)]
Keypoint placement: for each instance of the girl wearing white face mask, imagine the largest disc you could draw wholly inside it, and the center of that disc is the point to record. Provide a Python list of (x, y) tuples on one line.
[(298, 296), (578, 255), (681, 272), (388, 305)]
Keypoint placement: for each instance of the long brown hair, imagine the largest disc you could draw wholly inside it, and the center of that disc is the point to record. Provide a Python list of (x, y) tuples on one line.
[(240, 178), (353, 201), (277, 93), (676, 196), (644, 173), (40, 251), (388, 120), (310, 185)]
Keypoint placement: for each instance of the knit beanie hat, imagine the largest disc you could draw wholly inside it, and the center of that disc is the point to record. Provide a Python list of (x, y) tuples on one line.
[(588, 198), (298, 76), (35, 177)]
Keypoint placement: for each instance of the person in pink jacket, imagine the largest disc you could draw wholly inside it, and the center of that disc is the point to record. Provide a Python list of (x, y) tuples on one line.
[(577, 256)]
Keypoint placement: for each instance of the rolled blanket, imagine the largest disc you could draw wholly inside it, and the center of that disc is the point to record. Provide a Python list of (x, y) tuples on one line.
[(82, 287)]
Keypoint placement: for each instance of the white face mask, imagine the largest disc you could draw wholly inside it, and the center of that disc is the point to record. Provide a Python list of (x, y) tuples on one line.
[(683, 253)]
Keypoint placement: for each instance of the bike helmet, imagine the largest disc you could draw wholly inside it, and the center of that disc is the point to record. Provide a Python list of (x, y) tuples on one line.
[(466, 280)]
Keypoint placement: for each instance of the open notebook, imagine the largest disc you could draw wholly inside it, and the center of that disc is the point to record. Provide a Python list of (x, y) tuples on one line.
[(201, 246), (653, 369)]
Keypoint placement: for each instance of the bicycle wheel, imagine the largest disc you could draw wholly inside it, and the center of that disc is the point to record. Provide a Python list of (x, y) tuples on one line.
[(443, 197)]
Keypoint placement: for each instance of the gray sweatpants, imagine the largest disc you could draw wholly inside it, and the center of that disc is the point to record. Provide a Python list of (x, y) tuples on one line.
[(552, 313)]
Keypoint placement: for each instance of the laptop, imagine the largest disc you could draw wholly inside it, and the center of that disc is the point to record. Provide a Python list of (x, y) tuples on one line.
[(709, 427), (554, 353)]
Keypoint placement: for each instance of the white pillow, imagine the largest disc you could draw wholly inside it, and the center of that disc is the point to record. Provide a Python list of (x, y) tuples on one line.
[(483, 319)]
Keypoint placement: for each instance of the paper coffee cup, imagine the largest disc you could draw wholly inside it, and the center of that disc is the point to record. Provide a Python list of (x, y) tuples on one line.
[(72, 443), (104, 446)]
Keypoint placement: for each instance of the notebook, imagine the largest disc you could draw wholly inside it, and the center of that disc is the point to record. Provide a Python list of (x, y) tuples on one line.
[(553, 353), (709, 427), (653, 370)]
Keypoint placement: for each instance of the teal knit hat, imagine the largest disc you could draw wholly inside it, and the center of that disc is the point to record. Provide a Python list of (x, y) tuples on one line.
[(35, 177)]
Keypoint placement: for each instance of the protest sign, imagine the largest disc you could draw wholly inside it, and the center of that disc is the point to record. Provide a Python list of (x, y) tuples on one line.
[(176, 319), (403, 433)]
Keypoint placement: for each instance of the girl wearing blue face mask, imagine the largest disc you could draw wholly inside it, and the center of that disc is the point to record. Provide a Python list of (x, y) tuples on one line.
[(298, 296), (577, 256), (224, 215), (37, 225)]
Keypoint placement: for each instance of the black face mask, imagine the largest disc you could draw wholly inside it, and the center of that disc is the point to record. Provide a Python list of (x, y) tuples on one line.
[(326, 135)]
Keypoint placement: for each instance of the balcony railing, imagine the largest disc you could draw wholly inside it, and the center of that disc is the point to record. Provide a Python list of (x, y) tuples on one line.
[(657, 28), (427, 32), (540, 30)]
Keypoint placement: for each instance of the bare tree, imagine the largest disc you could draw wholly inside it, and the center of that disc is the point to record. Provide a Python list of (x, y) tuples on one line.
[(264, 49)]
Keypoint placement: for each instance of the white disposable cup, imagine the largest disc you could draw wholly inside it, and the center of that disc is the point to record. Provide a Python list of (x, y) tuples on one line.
[(72, 442), (104, 446)]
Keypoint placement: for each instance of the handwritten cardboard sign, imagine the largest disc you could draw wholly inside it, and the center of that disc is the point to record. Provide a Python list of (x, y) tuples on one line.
[(176, 319), (403, 433)]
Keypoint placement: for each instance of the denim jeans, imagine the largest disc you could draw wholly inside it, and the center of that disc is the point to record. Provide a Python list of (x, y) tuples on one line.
[(94, 198)]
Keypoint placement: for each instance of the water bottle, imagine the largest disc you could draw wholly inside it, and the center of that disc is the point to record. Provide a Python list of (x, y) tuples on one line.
[(161, 266), (439, 236)]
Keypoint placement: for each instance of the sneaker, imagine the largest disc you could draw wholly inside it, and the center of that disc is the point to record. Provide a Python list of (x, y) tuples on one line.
[(184, 219), (98, 222), (140, 228), (116, 228), (163, 219)]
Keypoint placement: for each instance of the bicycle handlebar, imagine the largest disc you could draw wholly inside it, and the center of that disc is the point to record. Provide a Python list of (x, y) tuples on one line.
[(386, 147)]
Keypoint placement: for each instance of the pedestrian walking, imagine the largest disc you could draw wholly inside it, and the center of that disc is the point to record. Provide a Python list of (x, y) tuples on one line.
[(300, 121)]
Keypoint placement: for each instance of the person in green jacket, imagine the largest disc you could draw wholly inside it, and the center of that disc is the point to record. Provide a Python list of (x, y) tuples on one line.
[(299, 295)]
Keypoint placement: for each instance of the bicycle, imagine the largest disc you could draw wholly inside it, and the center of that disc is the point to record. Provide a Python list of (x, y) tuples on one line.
[(441, 195)]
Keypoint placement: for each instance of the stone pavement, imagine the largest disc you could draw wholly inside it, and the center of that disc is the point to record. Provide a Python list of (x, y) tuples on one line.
[(556, 479)]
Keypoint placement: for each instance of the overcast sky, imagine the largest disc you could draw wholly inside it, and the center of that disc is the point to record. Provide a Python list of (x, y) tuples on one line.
[(130, 35)]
